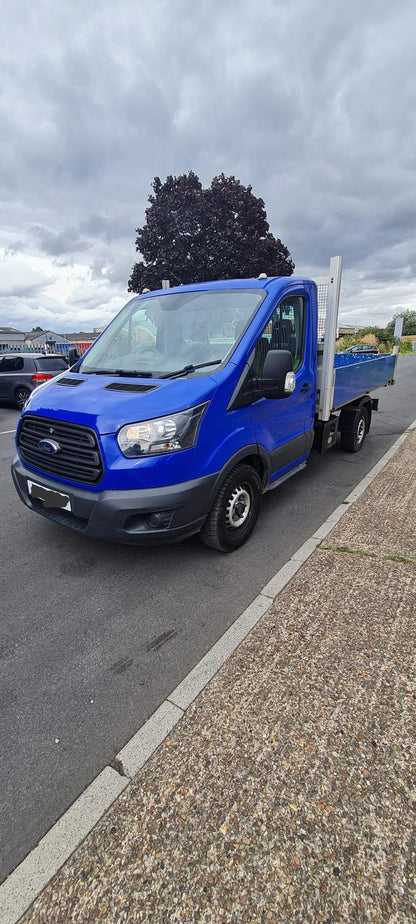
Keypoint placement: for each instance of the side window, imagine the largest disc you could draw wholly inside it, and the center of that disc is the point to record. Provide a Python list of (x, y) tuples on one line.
[(11, 364), (284, 331)]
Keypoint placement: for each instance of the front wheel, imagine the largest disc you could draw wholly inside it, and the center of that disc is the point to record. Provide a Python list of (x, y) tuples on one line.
[(235, 510), (354, 441), (21, 396)]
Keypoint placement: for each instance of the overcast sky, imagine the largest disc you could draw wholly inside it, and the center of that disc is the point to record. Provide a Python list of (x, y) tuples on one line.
[(311, 102)]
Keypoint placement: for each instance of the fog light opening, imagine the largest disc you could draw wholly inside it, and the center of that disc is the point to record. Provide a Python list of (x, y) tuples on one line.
[(159, 519)]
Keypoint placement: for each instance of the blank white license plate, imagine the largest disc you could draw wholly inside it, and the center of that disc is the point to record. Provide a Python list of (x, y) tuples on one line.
[(49, 498)]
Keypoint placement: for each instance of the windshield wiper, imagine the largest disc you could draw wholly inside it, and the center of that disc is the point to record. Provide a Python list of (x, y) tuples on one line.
[(187, 369), (132, 373)]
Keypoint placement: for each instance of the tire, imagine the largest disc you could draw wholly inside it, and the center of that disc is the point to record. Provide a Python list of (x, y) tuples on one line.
[(354, 441), (235, 510), (20, 396)]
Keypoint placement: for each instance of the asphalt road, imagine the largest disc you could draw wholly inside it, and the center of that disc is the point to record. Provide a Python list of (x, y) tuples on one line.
[(93, 636)]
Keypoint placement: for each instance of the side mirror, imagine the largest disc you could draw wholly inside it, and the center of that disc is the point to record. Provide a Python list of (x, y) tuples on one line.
[(73, 355), (278, 379)]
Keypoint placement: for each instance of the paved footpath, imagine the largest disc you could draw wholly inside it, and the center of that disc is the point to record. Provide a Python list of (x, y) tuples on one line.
[(286, 792)]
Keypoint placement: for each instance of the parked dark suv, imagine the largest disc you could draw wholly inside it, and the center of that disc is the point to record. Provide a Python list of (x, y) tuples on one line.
[(20, 373)]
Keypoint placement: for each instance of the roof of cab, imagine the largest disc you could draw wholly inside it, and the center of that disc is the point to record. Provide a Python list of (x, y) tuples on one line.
[(251, 283)]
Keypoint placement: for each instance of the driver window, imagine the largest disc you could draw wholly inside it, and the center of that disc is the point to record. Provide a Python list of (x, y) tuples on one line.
[(284, 331)]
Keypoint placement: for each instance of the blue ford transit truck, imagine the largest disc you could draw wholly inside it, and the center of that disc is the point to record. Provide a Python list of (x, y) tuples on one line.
[(191, 404)]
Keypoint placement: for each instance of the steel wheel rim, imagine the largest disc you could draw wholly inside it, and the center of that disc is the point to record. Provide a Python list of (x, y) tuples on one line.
[(238, 508)]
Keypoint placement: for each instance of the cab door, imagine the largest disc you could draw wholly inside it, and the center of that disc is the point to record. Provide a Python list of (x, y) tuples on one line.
[(284, 426)]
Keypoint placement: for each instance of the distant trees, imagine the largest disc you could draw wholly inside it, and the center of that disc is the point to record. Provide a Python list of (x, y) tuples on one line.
[(193, 234), (376, 336), (406, 346), (409, 323), (382, 336)]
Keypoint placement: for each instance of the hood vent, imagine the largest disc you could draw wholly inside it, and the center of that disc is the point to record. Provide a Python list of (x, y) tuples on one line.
[(72, 382), (130, 386)]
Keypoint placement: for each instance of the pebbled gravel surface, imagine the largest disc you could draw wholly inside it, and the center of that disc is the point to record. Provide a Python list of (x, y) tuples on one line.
[(287, 791), (383, 522)]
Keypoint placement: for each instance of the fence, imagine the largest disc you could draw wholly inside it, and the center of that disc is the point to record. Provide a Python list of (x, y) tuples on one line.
[(62, 348), (81, 346)]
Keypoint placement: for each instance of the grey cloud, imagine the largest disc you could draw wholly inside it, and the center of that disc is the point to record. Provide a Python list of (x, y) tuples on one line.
[(116, 269), (16, 248), (58, 243), (310, 103), (17, 279), (109, 228)]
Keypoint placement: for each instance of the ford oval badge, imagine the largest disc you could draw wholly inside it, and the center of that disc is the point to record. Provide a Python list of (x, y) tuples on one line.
[(49, 446)]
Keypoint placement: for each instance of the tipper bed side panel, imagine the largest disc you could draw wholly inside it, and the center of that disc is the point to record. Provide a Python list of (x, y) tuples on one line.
[(356, 375)]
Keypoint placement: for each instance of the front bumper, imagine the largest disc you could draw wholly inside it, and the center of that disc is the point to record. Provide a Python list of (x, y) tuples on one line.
[(122, 516)]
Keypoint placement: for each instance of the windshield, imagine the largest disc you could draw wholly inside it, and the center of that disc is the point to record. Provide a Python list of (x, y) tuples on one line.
[(173, 332)]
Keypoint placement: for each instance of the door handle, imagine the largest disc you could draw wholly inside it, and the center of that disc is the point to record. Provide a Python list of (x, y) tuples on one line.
[(306, 387)]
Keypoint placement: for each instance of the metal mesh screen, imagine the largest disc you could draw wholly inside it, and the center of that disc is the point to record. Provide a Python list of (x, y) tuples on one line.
[(322, 303)]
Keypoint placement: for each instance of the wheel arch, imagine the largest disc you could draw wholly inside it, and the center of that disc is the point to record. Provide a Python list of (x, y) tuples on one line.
[(252, 455), (235, 509), (348, 414)]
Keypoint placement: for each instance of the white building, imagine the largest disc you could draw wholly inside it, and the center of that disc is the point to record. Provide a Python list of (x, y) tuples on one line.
[(44, 341), (11, 340)]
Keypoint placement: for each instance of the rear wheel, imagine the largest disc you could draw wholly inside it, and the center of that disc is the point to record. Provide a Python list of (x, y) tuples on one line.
[(235, 510), (354, 441), (20, 396)]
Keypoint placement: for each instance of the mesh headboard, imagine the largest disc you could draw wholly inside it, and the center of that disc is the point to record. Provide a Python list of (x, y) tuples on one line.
[(322, 303)]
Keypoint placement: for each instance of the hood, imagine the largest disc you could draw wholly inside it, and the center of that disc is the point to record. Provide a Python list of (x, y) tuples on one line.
[(106, 403)]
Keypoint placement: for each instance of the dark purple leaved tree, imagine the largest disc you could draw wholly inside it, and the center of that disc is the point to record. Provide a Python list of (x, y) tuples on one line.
[(193, 234)]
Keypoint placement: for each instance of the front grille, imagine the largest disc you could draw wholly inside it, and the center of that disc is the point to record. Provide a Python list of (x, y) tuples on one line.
[(79, 457)]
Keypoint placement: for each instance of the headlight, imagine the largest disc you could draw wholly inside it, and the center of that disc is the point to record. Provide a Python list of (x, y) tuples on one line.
[(164, 434)]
